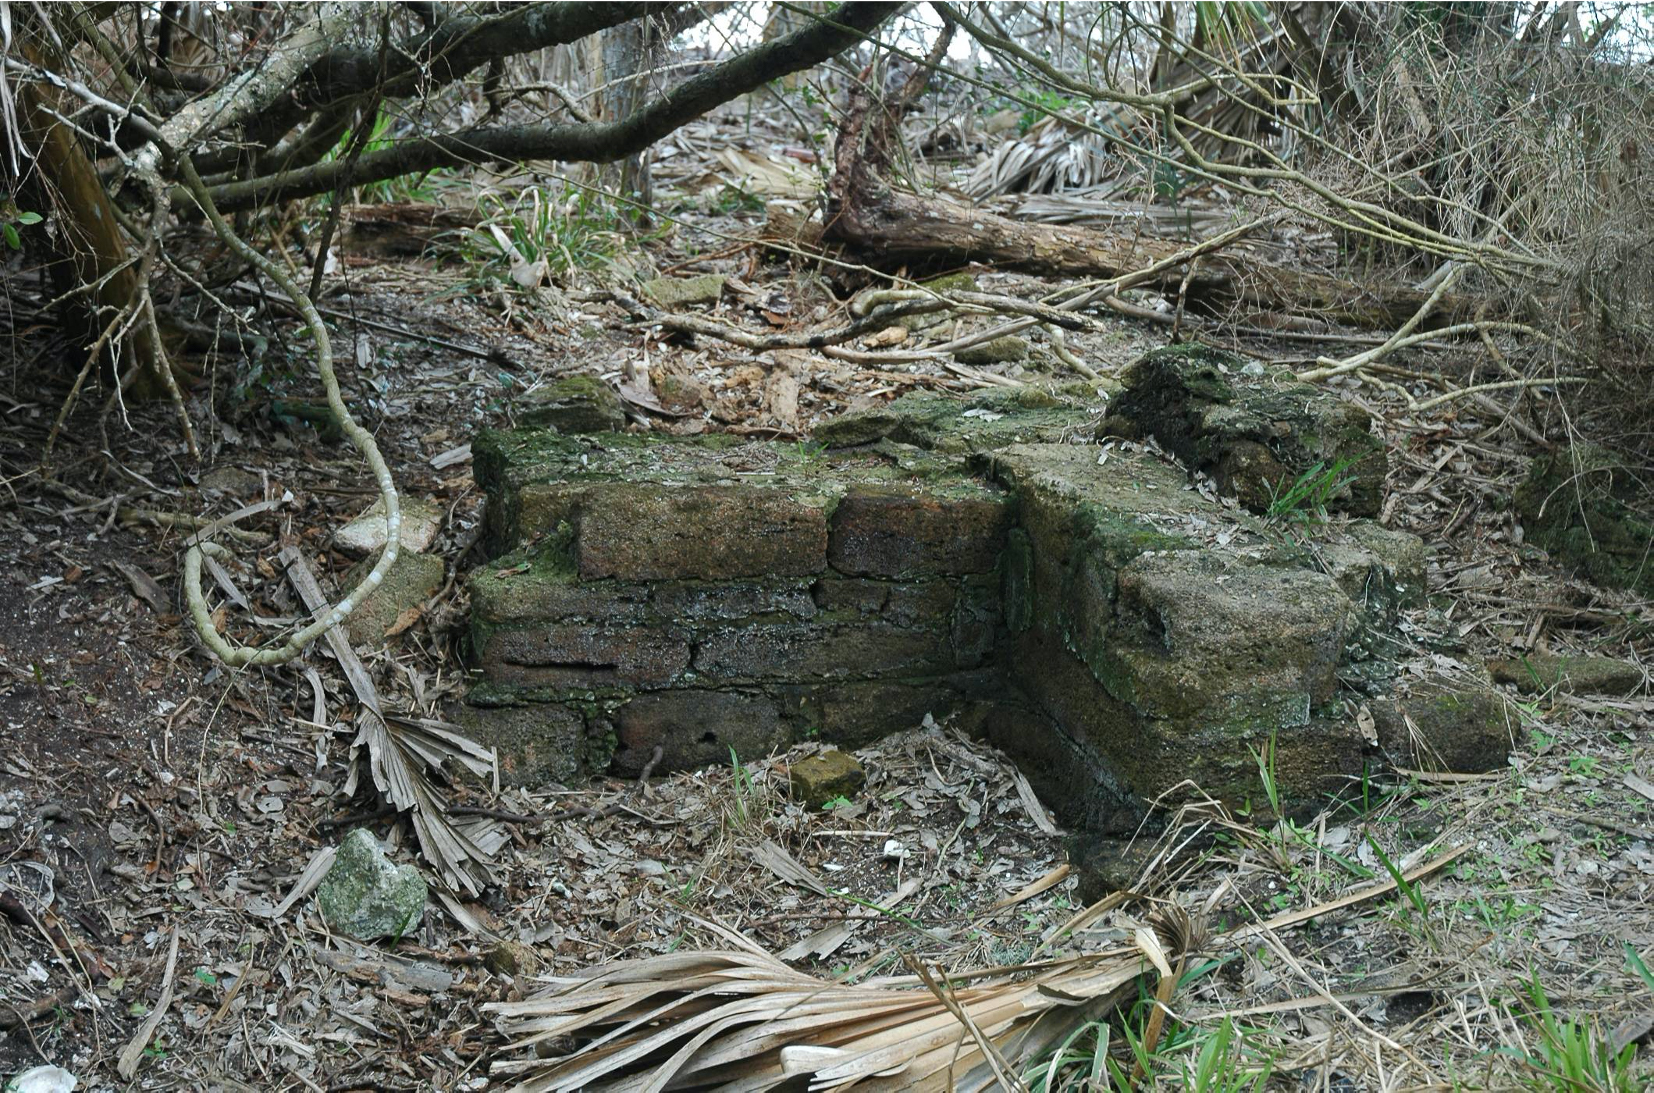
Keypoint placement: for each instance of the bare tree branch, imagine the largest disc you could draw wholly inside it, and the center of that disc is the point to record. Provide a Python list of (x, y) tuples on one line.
[(598, 143)]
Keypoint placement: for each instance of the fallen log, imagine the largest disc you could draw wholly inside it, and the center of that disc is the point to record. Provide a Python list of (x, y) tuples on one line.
[(899, 227)]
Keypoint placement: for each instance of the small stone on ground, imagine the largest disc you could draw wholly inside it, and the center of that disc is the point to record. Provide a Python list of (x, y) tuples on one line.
[(365, 535), (366, 896), (825, 777)]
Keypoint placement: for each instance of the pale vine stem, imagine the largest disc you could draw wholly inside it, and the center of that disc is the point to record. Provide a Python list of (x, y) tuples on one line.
[(145, 166), (360, 438)]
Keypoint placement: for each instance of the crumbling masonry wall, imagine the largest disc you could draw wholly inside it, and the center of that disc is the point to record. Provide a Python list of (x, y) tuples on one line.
[(1115, 626)]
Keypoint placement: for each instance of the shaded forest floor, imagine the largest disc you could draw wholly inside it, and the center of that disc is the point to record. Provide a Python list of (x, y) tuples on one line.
[(148, 796)]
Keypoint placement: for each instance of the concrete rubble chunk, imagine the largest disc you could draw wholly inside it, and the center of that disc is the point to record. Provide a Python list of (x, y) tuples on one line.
[(410, 581), (366, 896), (825, 777), (672, 293), (421, 520)]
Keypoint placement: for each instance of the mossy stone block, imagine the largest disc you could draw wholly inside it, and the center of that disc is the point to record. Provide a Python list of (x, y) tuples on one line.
[(1593, 514), (825, 777), (673, 293), (1587, 675), (572, 404), (410, 581), (903, 533), (1002, 350), (1257, 435), (1440, 725)]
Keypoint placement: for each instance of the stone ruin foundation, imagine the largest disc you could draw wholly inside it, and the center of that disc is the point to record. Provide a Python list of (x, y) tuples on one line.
[(1116, 616)]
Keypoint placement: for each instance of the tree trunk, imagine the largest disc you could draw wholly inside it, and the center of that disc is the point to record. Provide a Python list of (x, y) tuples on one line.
[(903, 228), (628, 54), (88, 248)]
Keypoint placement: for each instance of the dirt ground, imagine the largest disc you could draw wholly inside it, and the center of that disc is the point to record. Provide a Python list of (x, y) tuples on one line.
[(155, 807)]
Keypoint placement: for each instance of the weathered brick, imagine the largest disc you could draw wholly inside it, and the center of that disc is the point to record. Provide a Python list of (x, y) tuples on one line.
[(573, 404), (515, 589), (531, 514), (538, 742), (1195, 636), (724, 601), (821, 778), (905, 603), (694, 728), (584, 655), (652, 532), (899, 533), (411, 580), (796, 651), (977, 620), (854, 714)]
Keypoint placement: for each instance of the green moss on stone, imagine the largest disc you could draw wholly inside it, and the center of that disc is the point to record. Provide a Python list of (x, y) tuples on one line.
[(1593, 514), (572, 404), (986, 422)]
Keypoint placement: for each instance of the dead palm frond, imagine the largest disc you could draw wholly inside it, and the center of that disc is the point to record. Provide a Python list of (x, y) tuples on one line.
[(1053, 157), (402, 753), (739, 1019)]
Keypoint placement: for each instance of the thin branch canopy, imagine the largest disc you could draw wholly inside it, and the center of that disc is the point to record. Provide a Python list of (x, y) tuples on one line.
[(598, 142)]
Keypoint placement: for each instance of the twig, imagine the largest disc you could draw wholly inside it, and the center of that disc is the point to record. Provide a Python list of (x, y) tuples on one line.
[(134, 1050), (1502, 385), (1059, 346), (649, 767), (14, 1017), (1330, 368), (497, 814)]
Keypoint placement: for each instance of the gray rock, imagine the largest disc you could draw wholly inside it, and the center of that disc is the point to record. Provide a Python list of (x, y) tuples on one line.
[(366, 534), (365, 895)]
